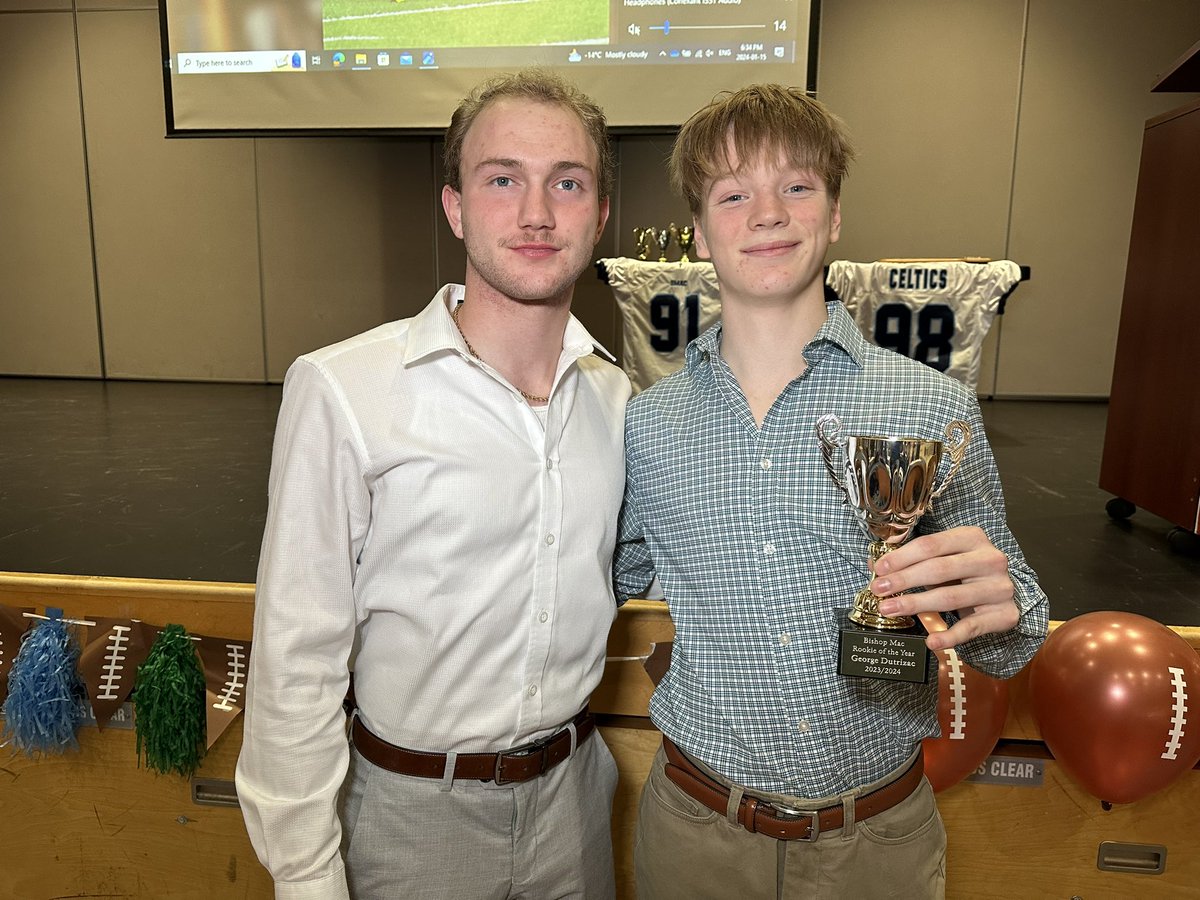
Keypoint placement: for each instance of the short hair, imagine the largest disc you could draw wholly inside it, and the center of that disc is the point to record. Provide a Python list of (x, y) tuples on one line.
[(758, 122), (529, 84)]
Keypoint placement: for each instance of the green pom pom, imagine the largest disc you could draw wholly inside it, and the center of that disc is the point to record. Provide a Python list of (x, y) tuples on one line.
[(168, 703)]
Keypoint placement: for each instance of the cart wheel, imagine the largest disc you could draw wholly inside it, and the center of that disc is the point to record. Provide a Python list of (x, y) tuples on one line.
[(1119, 508), (1183, 542)]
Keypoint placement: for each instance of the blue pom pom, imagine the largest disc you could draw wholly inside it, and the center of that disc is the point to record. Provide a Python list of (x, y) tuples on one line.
[(47, 698)]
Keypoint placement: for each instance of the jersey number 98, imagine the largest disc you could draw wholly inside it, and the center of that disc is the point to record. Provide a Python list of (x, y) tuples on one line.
[(935, 332)]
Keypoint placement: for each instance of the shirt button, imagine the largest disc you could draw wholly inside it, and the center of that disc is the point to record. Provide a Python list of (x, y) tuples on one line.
[(543, 616), (766, 463), (803, 727), (785, 639), (768, 548), (549, 464), (549, 540), (704, 355), (533, 690)]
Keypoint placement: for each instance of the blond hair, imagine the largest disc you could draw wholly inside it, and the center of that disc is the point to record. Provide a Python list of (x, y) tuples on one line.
[(757, 123)]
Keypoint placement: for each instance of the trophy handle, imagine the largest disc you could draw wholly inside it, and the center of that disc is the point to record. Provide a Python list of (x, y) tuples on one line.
[(958, 435), (829, 432)]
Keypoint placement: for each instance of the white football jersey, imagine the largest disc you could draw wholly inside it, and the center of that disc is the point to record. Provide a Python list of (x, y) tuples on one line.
[(664, 305), (935, 312)]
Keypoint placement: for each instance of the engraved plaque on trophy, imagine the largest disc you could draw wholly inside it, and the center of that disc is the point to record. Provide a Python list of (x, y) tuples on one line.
[(888, 484)]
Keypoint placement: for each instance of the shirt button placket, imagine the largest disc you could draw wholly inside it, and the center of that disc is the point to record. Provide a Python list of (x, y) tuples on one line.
[(543, 600)]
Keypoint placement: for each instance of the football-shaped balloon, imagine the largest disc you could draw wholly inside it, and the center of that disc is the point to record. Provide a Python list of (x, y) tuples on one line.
[(971, 711), (1110, 693)]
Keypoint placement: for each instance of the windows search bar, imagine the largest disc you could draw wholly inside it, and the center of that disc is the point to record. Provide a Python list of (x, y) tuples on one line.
[(241, 61)]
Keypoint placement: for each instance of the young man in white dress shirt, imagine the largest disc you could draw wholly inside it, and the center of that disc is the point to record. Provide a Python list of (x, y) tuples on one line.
[(443, 501)]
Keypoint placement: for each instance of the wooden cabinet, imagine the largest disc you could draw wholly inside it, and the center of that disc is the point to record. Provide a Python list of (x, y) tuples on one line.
[(92, 823), (1152, 442)]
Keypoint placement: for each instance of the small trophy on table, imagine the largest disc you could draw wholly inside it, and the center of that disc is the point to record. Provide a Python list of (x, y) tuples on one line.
[(663, 238), (685, 237), (888, 483), (645, 238)]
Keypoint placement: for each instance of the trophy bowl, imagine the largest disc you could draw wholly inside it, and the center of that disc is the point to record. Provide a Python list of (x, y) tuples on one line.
[(889, 485)]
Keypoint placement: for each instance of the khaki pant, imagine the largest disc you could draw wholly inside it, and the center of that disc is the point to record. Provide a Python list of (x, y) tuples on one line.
[(548, 838), (685, 851)]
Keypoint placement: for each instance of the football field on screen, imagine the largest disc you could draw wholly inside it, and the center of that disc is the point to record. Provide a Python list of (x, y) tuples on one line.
[(463, 23)]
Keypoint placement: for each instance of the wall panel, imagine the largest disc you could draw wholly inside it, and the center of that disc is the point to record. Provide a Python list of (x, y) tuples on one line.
[(34, 5), (48, 320), (1085, 100), (83, 5), (347, 238), (929, 91), (175, 220)]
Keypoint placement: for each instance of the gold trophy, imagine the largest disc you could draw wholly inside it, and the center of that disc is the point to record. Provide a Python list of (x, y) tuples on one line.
[(685, 237), (888, 483), (645, 241), (663, 238)]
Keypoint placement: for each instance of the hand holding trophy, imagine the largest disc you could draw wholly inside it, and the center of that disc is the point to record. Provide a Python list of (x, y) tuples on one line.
[(888, 484)]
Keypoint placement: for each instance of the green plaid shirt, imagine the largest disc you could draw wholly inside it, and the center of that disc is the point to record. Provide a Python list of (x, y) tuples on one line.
[(756, 548)]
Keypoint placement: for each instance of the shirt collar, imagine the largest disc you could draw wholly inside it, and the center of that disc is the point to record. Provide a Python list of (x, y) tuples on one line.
[(839, 331), (707, 345), (432, 330)]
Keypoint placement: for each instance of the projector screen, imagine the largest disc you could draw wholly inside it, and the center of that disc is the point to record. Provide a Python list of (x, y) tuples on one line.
[(371, 66)]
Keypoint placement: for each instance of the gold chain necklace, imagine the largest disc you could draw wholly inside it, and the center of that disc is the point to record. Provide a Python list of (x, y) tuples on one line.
[(532, 398)]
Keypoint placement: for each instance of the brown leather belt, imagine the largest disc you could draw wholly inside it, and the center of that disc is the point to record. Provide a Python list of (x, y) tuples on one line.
[(777, 821), (507, 767)]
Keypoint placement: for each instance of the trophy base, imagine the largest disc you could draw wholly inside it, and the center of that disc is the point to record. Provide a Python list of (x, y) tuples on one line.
[(882, 623), (888, 655), (866, 606)]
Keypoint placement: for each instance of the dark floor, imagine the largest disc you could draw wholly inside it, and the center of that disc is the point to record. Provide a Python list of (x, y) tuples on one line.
[(168, 480)]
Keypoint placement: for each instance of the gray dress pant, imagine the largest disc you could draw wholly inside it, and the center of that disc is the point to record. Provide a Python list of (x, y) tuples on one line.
[(407, 838)]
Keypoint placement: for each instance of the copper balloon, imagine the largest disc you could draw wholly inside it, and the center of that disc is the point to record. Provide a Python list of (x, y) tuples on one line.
[(971, 711), (1110, 694)]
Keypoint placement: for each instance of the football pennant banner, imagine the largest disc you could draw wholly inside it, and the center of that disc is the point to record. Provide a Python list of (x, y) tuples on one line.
[(225, 664), (110, 661)]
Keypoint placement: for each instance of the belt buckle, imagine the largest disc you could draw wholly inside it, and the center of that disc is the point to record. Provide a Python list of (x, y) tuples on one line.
[(542, 747), (791, 812)]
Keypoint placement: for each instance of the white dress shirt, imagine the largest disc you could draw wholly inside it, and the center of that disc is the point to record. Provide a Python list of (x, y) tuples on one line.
[(425, 520)]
